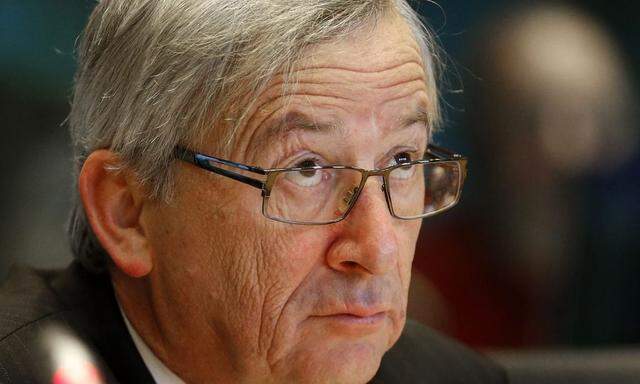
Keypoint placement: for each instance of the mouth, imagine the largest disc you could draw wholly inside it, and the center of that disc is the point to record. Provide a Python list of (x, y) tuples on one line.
[(358, 319), (354, 323)]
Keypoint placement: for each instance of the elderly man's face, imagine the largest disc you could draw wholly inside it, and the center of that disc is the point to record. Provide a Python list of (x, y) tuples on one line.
[(299, 303)]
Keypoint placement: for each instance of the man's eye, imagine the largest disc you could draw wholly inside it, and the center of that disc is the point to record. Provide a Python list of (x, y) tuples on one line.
[(307, 164), (400, 158), (403, 172), (308, 177)]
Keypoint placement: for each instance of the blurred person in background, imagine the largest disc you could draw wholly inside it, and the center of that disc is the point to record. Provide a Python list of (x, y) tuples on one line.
[(558, 110), (548, 241), (194, 266)]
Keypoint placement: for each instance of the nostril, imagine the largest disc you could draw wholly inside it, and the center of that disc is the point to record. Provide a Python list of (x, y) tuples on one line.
[(350, 264)]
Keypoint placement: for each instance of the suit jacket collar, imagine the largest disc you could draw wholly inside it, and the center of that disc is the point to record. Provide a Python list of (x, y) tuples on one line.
[(93, 313)]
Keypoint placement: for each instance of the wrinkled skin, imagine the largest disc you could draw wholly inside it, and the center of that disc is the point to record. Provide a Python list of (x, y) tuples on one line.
[(235, 297)]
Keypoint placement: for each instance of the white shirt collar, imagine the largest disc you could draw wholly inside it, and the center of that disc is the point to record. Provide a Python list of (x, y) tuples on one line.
[(160, 373)]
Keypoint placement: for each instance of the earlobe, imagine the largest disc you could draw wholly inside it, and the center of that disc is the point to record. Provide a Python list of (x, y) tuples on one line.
[(113, 202)]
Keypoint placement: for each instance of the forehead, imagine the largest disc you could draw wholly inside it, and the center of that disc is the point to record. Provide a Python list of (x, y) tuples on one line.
[(371, 48), (374, 74)]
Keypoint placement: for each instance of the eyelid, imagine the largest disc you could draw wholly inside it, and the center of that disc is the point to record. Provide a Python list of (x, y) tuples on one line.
[(293, 162), (413, 151), (293, 157)]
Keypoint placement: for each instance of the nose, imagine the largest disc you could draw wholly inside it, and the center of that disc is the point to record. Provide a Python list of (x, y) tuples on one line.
[(366, 241)]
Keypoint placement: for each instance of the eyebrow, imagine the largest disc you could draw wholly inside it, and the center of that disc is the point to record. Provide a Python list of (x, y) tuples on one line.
[(293, 121), (419, 115)]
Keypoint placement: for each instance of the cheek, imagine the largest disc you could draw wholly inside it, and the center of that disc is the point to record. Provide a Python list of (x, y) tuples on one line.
[(407, 236), (208, 248), (290, 255), (239, 268)]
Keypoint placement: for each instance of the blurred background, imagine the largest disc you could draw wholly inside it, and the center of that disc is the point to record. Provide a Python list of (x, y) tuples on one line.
[(544, 249)]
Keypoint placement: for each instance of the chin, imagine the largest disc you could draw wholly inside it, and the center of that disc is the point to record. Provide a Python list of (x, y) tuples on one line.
[(339, 361)]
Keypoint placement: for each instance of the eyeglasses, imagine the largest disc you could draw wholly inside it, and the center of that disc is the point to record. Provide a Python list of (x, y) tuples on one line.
[(326, 194)]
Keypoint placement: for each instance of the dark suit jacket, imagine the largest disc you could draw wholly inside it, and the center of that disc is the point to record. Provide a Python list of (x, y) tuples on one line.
[(32, 301)]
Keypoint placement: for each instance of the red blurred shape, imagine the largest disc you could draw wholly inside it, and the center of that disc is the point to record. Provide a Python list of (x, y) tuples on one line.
[(86, 373)]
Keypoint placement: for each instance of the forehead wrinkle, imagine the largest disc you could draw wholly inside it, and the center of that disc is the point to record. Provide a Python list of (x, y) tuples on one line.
[(406, 94), (417, 112), (252, 143), (311, 79), (348, 77), (278, 95), (322, 71), (410, 79), (290, 105), (397, 81), (404, 47), (303, 93), (292, 120), (280, 81), (271, 95), (336, 67), (308, 122), (263, 107)]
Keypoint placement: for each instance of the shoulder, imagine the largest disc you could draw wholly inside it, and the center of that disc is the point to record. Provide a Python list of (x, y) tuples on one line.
[(421, 355), (26, 298), (27, 306), (46, 314)]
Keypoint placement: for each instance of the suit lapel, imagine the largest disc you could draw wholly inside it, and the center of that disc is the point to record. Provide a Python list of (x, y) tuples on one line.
[(93, 313)]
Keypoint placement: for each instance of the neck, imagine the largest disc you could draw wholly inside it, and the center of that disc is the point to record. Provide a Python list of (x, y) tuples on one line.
[(182, 341)]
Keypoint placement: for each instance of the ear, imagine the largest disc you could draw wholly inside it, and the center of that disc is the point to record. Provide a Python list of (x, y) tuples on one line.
[(113, 201)]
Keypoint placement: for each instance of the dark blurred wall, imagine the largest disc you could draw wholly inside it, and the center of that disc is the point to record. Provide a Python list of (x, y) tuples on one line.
[(36, 70)]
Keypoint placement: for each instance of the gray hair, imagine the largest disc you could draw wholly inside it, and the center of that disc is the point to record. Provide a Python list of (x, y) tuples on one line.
[(156, 73)]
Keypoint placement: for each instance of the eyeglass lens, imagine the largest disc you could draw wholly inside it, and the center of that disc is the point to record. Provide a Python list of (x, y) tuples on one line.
[(424, 189), (318, 195), (325, 195)]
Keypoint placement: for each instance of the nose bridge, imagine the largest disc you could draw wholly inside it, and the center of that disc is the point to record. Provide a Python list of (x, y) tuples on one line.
[(373, 172), (363, 184)]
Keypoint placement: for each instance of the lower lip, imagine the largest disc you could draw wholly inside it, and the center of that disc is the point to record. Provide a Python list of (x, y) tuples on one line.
[(355, 323)]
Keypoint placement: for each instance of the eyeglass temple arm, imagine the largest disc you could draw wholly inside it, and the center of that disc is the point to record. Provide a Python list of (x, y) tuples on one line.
[(204, 161), (440, 151)]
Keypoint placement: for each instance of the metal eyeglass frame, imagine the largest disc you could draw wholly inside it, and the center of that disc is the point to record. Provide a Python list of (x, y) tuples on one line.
[(436, 155)]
